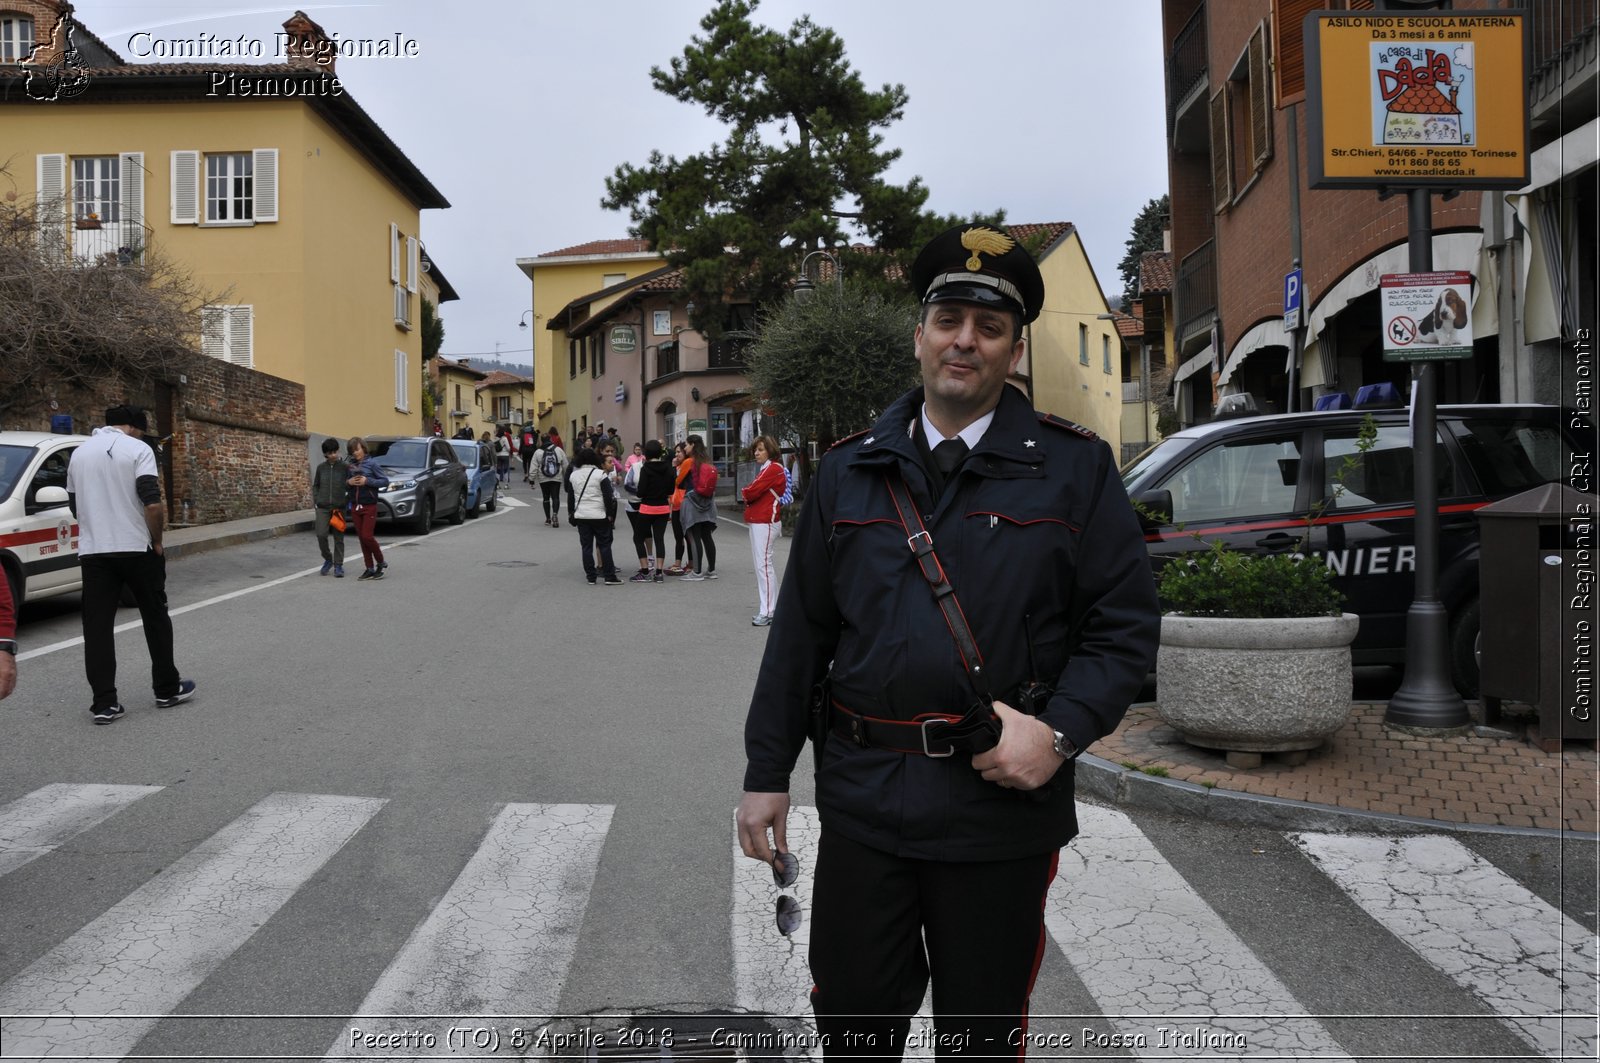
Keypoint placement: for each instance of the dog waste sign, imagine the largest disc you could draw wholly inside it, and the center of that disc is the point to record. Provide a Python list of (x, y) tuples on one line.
[(1426, 316)]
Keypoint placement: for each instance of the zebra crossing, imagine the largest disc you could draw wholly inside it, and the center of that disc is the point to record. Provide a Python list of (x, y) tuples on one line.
[(1166, 973)]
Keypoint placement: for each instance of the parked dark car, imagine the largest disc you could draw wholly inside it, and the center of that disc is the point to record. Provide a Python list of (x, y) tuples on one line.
[(425, 479), (483, 484), (1271, 484)]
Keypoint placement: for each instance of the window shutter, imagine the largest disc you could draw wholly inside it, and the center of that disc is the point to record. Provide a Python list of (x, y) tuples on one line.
[(186, 188), (214, 332), (413, 256), (401, 399), (50, 208), (1260, 99), (394, 253), (241, 336), (1289, 47), (265, 165), (1221, 158)]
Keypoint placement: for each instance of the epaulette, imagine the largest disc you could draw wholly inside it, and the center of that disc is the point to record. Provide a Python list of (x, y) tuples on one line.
[(848, 438), (1071, 426)]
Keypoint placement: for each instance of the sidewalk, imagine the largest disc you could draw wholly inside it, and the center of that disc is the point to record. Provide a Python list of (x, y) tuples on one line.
[(1489, 778), (1365, 777)]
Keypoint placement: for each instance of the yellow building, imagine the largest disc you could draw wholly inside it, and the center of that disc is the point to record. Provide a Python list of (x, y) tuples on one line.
[(507, 399), (557, 279), (460, 401), (1074, 356), (268, 183)]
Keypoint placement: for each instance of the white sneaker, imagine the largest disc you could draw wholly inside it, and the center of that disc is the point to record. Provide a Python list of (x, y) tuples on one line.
[(762, 621)]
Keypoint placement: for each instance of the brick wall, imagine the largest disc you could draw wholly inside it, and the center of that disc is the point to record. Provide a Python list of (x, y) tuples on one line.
[(238, 444)]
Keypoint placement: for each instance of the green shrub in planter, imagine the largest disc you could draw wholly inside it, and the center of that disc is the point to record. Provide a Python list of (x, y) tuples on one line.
[(1222, 582)]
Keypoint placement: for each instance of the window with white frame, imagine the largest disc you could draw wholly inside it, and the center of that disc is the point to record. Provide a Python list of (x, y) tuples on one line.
[(16, 37), (230, 187), (97, 188), (227, 333), (225, 188), (405, 254), (402, 381), (502, 408)]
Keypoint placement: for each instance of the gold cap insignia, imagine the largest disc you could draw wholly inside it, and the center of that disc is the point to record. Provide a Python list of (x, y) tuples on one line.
[(984, 240)]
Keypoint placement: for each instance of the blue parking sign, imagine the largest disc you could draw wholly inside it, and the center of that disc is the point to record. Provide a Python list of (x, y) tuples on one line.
[(1293, 287)]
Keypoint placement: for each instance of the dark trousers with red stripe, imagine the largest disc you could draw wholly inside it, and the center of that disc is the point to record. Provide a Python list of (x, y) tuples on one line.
[(881, 925)]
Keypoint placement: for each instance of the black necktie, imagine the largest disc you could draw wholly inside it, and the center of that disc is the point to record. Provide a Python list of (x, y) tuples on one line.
[(947, 457)]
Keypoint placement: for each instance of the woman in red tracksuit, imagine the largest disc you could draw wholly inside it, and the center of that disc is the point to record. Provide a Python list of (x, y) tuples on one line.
[(761, 513)]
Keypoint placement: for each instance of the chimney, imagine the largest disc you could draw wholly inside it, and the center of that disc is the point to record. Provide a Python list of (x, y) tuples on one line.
[(306, 44)]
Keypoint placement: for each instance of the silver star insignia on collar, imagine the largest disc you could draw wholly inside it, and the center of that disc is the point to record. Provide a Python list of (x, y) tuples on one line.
[(868, 441), (1027, 442)]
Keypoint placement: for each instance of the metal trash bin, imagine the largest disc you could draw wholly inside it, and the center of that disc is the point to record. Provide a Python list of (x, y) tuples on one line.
[(1536, 566)]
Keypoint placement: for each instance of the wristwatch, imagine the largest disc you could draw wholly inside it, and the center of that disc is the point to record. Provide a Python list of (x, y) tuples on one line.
[(8, 646), (1063, 746)]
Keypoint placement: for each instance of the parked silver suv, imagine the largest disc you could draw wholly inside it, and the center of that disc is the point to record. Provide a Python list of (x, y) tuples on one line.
[(425, 479)]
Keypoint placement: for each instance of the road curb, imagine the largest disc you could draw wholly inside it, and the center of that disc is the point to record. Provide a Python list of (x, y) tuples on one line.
[(202, 545), (1131, 788)]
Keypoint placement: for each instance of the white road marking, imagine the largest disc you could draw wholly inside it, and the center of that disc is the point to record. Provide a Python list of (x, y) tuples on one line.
[(101, 990), (500, 941), (513, 502), (771, 973), (36, 823), (1470, 920), (133, 625), (1159, 959)]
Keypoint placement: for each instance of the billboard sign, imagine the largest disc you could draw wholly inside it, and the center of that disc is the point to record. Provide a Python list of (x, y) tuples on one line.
[(1434, 100)]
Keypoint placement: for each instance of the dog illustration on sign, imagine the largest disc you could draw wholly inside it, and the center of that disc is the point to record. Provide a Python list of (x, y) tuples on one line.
[(1449, 316)]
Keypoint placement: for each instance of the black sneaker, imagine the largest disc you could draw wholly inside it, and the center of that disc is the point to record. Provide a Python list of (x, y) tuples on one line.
[(185, 692), (377, 573), (109, 714), (612, 581), (592, 580), (368, 574)]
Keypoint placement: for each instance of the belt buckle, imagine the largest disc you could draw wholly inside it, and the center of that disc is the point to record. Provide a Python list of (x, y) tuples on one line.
[(930, 753), (911, 542)]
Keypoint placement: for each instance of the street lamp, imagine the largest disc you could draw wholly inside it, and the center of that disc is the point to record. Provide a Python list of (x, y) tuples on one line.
[(524, 322), (803, 286)]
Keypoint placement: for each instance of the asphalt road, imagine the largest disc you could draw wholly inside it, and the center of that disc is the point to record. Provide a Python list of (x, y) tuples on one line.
[(417, 718)]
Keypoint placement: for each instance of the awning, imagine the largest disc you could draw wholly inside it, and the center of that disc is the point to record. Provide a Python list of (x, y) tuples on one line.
[(1192, 366), (1452, 251), (1552, 242), (1268, 333)]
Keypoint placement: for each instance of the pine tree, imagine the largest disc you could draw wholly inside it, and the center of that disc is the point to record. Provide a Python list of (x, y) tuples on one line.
[(802, 167), (1144, 236)]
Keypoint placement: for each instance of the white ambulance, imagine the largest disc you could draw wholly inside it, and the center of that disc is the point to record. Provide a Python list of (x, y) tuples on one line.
[(38, 535)]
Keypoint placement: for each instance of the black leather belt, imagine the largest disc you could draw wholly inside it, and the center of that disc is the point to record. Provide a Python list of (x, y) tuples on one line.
[(930, 734)]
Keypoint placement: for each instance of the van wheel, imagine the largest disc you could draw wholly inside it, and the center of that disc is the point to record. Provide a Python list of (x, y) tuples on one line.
[(424, 523), (1464, 650)]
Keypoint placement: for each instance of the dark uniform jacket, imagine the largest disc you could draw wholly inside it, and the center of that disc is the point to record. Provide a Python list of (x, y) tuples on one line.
[(1038, 538)]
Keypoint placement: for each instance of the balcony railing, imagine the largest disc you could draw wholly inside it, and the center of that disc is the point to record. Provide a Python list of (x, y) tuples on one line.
[(727, 353), (1186, 66), (1196, 294), (91, 241), (1553, 25)]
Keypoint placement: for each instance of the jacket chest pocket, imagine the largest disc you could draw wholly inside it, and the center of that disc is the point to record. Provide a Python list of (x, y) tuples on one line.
[(997, 537)]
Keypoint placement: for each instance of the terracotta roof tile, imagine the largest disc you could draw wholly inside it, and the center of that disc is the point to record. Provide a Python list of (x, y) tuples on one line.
[(1155, 271), (1423, 99), (500, 376), (601, 247), (1055, 232), (1128, 326)]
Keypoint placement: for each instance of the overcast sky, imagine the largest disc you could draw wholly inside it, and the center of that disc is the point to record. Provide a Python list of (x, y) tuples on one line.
[(1049, 109)]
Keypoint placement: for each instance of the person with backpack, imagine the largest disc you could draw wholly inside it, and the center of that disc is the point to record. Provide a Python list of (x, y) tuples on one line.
[(548, 463), (763, 498), (654, 487), (530, 443), (682, 467), (699, 512)]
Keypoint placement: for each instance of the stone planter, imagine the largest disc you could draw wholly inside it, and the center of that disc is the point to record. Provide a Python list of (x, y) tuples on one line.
[(1253, 686)]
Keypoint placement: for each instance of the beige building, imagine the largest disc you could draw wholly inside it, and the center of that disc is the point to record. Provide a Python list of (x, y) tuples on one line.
[(286, 201), (556, 280)]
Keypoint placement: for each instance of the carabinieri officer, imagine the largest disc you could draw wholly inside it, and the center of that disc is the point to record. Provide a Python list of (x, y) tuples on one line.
[(944, 779)]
